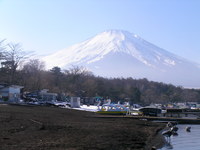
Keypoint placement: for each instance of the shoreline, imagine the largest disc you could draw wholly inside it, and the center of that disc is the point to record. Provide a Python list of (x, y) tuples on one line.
[(157, 141), (41, 127)]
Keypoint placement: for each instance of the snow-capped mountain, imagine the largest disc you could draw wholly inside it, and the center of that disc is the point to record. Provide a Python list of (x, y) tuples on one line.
[(117, 53)]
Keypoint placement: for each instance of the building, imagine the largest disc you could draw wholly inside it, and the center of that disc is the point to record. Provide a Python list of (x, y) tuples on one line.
[(88, 100), (10, 92), (75, 102), (42, 95), (45, 96)]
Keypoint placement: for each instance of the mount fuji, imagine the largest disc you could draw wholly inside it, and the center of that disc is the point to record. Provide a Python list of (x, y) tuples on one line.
[(117, 53)]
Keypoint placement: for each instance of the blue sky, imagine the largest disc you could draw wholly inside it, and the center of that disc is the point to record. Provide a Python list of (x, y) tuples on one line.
[(45, 26)]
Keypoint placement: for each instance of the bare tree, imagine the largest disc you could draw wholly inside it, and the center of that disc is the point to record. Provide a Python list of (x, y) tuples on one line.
[(77, 70), (14, 55), (3, 77), (34, 65), (31, 74), (2, 49)]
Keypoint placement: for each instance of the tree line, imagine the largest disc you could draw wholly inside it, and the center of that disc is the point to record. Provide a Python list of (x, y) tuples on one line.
[(17, 68)]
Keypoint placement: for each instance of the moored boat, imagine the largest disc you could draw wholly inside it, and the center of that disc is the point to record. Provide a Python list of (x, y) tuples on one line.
[(112, 109)]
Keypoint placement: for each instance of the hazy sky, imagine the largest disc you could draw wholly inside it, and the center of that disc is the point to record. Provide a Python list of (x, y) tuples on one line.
[(45, 26)]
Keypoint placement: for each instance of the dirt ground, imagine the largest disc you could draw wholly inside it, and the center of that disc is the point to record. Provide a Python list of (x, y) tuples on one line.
[(51, 128)]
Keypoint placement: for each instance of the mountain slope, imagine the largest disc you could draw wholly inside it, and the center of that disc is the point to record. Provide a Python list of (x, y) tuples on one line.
[(117, 53)]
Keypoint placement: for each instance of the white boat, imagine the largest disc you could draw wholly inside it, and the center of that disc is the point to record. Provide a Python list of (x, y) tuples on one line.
[(112, 109)]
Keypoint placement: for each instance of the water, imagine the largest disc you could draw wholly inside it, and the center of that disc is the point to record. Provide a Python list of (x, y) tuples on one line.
[(185, 140)]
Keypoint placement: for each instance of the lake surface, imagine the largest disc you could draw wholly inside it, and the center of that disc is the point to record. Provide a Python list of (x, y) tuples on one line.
[(185, 140)]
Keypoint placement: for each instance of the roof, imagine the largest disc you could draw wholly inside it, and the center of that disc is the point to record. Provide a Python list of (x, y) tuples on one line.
[(13, 86), (17, 86)]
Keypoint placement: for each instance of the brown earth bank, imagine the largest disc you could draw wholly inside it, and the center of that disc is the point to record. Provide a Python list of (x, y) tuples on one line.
[(51, 128)]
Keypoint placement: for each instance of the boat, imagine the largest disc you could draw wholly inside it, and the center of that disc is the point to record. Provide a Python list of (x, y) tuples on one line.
[(150, 111), (112, 109)]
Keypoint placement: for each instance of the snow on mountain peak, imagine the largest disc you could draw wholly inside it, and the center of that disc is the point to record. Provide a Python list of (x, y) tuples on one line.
[(118, 53), (110, 41)]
